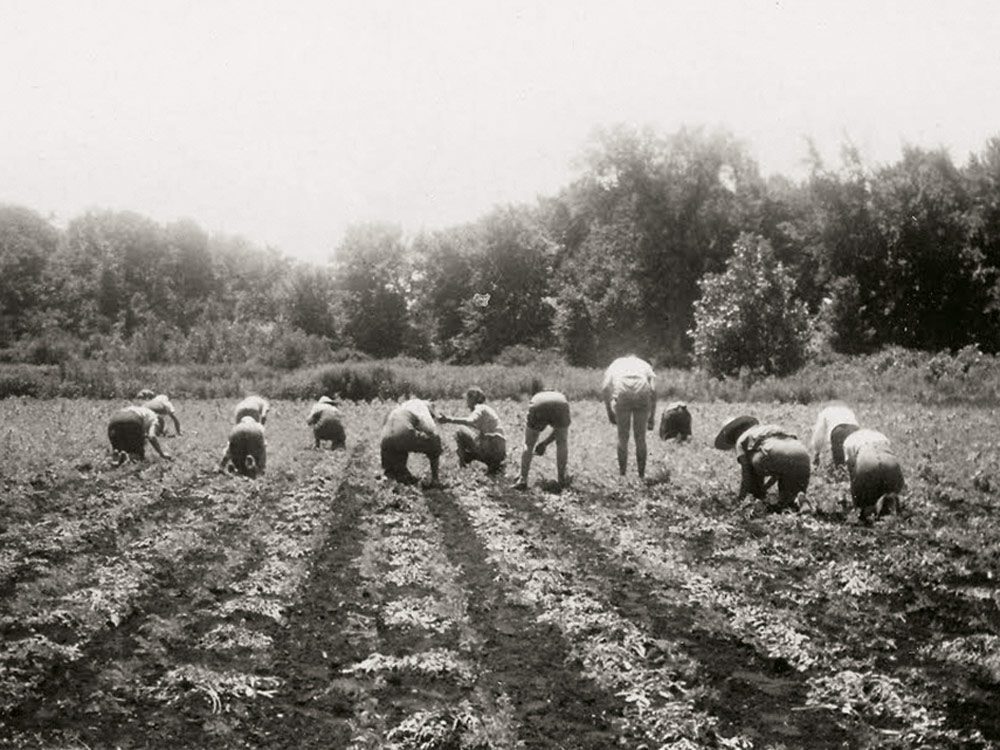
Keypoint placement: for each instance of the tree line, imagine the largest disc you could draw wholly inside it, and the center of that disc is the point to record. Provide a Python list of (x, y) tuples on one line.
[(906, 254)]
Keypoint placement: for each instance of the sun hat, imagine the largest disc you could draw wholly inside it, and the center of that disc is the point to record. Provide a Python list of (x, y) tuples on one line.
[(732, 429), (327, 400)]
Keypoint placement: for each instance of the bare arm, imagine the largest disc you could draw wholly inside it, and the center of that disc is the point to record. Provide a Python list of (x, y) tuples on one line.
[(225, 459), (156, 446), (652, 408), (177, 422), (541, 446), (444, 419)]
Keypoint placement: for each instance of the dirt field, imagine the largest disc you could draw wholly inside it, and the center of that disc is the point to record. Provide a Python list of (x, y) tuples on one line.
[(323, 607)]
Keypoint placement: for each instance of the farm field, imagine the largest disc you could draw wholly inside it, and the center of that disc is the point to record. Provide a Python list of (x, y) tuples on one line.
[(165, 604)]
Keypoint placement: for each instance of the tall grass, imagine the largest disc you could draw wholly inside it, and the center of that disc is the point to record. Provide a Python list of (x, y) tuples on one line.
[(894, 375)]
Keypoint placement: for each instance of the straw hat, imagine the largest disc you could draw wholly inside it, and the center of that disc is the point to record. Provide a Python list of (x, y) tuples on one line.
[(327, 400), (732, 429)]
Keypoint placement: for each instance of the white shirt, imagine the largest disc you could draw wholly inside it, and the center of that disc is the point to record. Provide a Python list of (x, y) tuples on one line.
[(829, 417), (862, 440), (628, 375), (485, 419)]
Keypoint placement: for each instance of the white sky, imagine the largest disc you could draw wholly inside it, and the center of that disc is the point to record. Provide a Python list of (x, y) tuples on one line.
[(287, 121)]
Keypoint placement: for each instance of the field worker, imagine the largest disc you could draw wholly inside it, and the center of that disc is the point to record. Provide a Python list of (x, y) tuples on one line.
[(325, 420), (252, 406), (129, 430), (410, 428), (766, 452), (630, 400), (246, 451), (546, 409), (675, 422), (161, 406), (831, 417), (480, 436), (876, 475)]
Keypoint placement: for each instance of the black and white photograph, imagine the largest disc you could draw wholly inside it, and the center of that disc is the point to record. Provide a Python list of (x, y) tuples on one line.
[(499, 375)]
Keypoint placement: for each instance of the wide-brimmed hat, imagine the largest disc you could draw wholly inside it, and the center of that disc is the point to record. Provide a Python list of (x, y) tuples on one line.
[(732, 429), (327, 400)]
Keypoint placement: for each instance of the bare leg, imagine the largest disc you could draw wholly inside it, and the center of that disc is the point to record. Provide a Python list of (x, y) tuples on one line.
[(530, 438), (562, 452), (624, 419), (640, 421)]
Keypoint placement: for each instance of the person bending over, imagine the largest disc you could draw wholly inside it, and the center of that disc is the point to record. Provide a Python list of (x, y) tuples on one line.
[(875, 472), (675, 422), (630, 401), (410, 428), (129, 430), (326, 422), (830, 430), (252, 406), (546, 409), (766, 454), (246, 451), (161, 406)]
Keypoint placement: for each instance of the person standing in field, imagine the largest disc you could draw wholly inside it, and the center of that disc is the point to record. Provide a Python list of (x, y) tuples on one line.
[(161, 406), (480, 436), (410, 428), (675, 422), (325, 420), (629, 392), (252, 406), (875, 472), (830, 430), (546, 409), (766, 454), (246, 451), (129, 430)]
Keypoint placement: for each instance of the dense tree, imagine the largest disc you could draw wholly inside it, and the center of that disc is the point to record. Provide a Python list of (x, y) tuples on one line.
[(374, 273), (27, 242), (748, 316), (658, 213), (511, 275)]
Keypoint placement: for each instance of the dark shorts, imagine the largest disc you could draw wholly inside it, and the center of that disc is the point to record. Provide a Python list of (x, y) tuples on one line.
[(788, 460), (244, 444), (838, 435), (876, 473), (675, 422), (329, 427), (550, 413), (126, 434)]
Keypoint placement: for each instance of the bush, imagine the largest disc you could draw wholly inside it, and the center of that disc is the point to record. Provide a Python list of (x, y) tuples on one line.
[(749, 317), (520, 356), (21, 383)]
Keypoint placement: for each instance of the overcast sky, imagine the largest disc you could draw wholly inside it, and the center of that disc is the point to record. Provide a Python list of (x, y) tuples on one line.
[(287, 121)]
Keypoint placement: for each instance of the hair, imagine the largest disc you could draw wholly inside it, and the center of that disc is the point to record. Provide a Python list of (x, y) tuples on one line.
[(475, 395)]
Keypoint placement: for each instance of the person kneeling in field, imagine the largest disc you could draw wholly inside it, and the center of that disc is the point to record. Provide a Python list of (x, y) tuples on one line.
[(546, 409), (829, 430), (129, 430), (766, 454), (480, 436), (161, 406), (252, 406), (325, 420), (875, 472), (246, 451), (630, 401), (675, 422), (410, 428)]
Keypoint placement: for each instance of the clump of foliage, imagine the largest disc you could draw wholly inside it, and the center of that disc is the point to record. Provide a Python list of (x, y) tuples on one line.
[(749, 315)]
